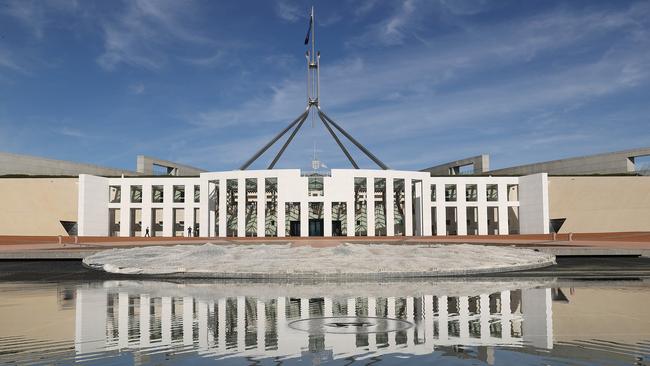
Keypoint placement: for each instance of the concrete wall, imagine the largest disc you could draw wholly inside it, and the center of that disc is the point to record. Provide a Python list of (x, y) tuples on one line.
[(93, 211), (33, 165), (533, 200), (35, 206), (481, 163), (600, 204), (608, 163), (145, 165)]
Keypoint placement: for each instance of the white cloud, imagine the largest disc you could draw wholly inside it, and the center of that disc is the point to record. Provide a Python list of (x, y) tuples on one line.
[(433, 92), (289, 11), (35, 14), (137, 88), (71, 132), (143, 34)]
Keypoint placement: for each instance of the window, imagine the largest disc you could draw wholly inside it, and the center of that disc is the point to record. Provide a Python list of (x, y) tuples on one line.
[(339, 219), (179, 194), (471, 193), (433, 193), (315, 186), (232, 198), (157, 193), (136, 194), (251, 207), (380, 206), (513, 192), (197, 193), (114, 194), (360, 206), (399, 207), (271, 207), (450, 192), (492, 192)]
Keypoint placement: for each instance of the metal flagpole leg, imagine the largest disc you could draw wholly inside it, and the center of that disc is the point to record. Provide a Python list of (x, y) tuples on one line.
[(336, 138), (355, 142), (277, 157), (276, 138)]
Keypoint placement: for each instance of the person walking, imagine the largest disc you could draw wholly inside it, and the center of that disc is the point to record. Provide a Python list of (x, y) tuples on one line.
[(146, 233), (189, 231)]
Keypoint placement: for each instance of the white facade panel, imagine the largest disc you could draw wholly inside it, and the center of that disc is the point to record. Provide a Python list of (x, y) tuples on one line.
[(293, 188)]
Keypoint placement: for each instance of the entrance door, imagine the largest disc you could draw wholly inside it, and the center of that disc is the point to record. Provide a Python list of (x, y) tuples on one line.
[(337, 228), (316, 227), (294, 228)]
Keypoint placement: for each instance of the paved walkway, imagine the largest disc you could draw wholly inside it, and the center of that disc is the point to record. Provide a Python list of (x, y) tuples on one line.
[(629, 243)]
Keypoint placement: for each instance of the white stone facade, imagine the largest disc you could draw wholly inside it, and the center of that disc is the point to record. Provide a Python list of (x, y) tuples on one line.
[(482, 205)]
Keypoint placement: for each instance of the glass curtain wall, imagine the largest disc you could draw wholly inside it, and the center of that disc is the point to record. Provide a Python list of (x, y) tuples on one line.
[(156, 222), (292, 218), (271, 208), (179, 221), (399, 206), (232, 197), (339, 219), (493, 220), (360, 206), (316, 219), (113, 222), (472, 220), (213, 206), (251, 206), (157, 194), (380, 206), (136, 222)]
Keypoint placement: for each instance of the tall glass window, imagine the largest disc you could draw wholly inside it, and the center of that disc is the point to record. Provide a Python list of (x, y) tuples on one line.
[(114, 222), (434, 221), (471, 193), (450, 192), (492, 192), (232, 197), (380, 206), (271, 208), (157, 194), (197, 193), (292, 218), (251, 206), (360, 207), (178, 217), (114, 194), (339, 219), (316, 186), (179, 194), (316, 219), (433, 193), (213, 206), (136, 194), (493, 220), (399, 207), (472, 220), (513, 192)]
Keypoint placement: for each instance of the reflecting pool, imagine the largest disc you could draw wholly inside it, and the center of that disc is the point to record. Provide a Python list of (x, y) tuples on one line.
[(477, 321)]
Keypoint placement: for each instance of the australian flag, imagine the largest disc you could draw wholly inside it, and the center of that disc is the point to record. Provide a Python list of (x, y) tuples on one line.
[(311, 23)]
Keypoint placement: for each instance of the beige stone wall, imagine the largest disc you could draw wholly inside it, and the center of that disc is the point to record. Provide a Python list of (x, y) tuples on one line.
[(600, 204), (36, 313), (615, 314), (34, 206)]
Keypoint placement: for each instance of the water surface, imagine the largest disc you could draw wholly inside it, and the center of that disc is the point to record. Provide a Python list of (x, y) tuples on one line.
[(477, 321)]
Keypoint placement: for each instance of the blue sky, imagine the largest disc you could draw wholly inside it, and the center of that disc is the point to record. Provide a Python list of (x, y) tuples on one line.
[(206, 83)]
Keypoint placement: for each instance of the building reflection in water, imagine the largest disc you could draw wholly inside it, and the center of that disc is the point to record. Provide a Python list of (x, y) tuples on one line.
[(242, 326)]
